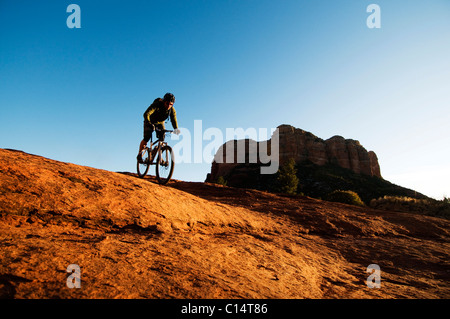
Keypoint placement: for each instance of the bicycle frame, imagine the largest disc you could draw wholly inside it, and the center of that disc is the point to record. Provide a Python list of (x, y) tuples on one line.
[(158, 148), (159, 145)]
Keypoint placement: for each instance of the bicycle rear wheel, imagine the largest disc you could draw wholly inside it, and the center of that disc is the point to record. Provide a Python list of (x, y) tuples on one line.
[(142, 167), (165, 165)]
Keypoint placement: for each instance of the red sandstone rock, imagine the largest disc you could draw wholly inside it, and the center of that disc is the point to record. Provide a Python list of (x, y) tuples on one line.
[(134, 238), (301, 146)]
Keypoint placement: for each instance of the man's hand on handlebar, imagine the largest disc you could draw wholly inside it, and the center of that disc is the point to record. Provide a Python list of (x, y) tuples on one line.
[(175, 131)]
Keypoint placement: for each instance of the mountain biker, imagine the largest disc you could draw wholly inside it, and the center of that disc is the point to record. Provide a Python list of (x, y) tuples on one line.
[(154, 117)]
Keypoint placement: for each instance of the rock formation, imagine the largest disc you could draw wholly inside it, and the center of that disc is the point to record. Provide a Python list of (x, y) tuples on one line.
[(302, 146), (135, 239)]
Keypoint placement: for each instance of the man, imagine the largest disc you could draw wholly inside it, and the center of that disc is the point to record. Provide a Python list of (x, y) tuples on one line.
[(154, 117)]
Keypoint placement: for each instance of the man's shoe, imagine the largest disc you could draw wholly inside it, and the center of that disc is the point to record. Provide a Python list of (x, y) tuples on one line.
[(139, 158)]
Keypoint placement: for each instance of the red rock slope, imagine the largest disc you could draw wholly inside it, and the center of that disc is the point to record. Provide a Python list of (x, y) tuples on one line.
[(133, 238)]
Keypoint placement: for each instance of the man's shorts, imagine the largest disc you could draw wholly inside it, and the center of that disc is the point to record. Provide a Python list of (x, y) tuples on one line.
[(148, 130)]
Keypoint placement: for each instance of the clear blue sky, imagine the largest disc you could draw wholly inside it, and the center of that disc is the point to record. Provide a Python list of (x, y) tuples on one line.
[(77, 95)]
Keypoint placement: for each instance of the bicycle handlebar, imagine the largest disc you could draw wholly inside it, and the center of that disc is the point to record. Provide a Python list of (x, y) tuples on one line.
[(165, 131)]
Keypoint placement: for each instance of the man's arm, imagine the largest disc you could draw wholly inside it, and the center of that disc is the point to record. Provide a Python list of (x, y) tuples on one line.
[(173, 118), (150, 110)]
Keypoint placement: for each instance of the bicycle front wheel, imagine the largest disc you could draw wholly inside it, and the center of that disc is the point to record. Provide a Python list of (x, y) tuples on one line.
[(165, 165), (142, 167)]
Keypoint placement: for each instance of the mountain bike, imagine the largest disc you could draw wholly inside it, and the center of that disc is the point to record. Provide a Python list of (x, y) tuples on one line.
[(163, 153)]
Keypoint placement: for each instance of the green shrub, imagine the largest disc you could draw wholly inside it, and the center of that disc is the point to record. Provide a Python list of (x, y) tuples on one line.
[(346, 197), (221, 181), (286, 179), (430, 207)]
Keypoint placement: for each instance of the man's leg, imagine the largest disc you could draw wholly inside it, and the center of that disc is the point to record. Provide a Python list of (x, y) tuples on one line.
[(147, 136), (142, 145), (161, 127)]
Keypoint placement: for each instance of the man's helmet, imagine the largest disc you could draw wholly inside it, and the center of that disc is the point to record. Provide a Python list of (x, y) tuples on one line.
[(169, 97)]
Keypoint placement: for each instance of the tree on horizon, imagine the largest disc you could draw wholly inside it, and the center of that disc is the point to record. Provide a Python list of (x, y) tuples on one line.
[(286, 178)]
